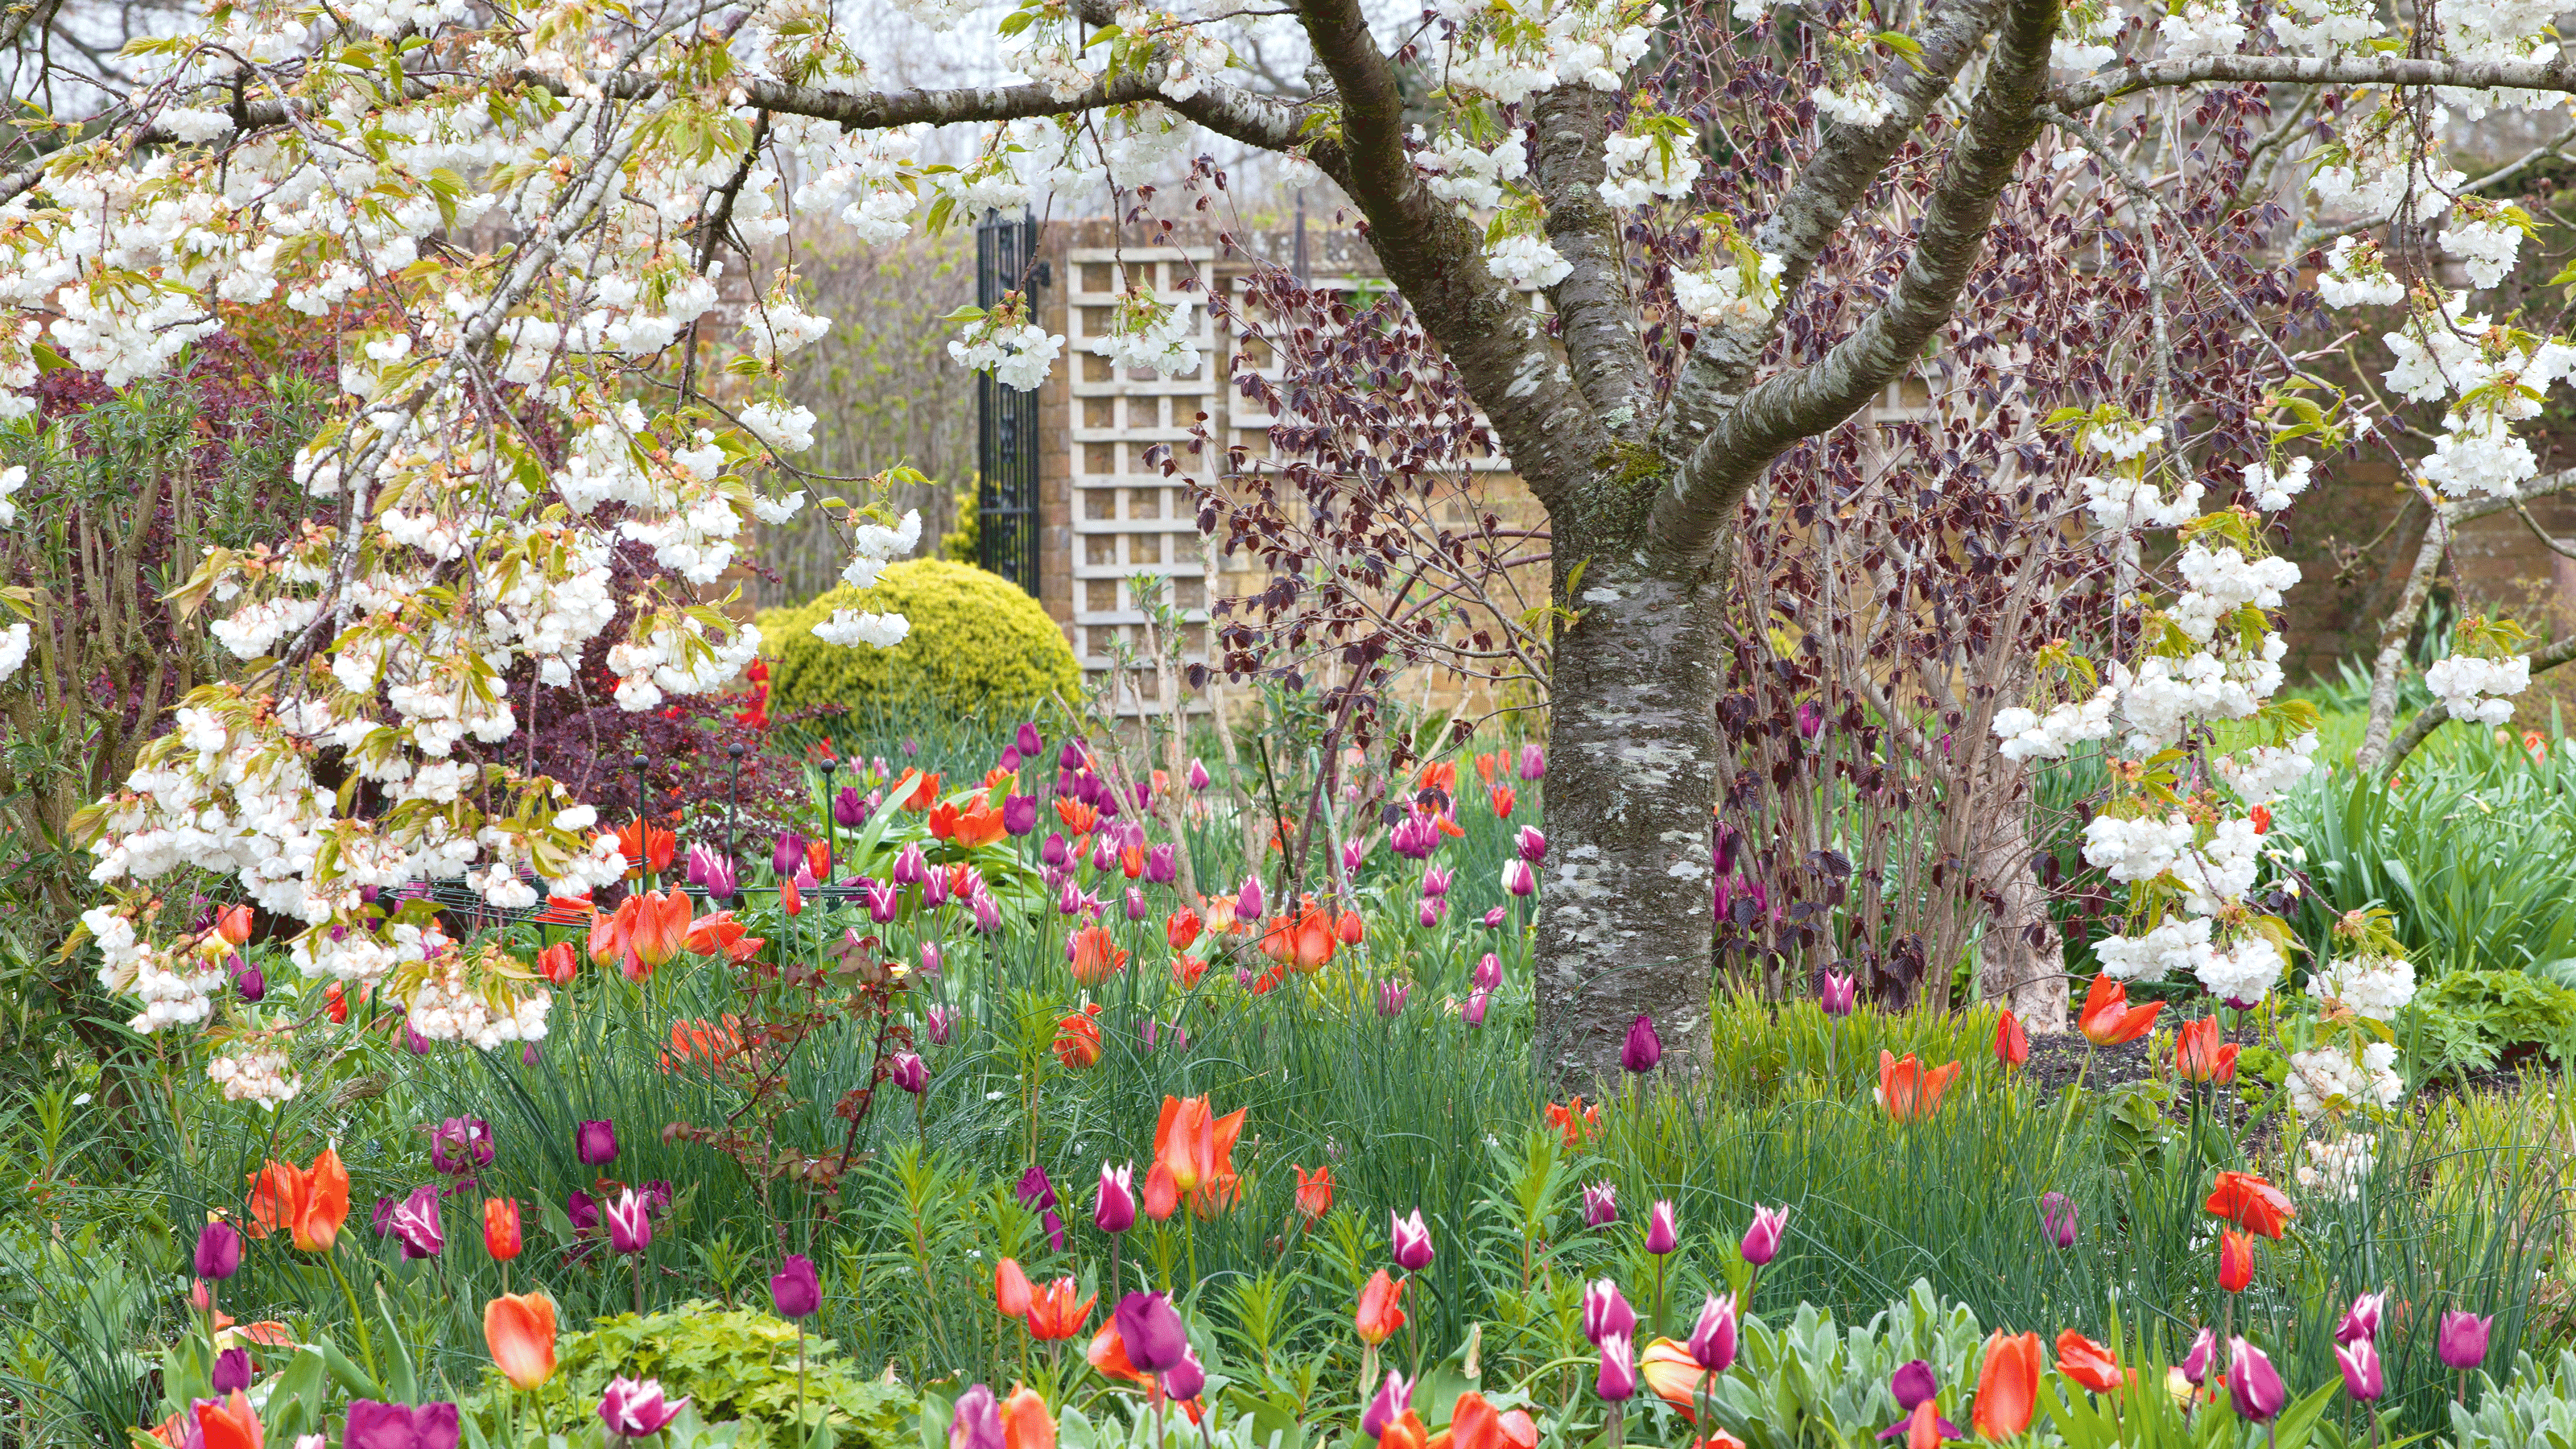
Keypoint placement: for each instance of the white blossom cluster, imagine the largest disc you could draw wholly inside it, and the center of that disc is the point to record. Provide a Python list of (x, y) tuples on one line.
[(2027, 735), (1526, 260), (1019, 355), (2326, 27), (1510, 50), (2373, 986), (2356, 275), (15, 641), (263, 1076), (1640, 167), (2273, 489), (2337, 1167), (2477, 689), (1722, 295), (1859, 103), (2338, 1081), (876, 544), (2202, 27), (448, 1001), (1149, 334), (1469, 176)]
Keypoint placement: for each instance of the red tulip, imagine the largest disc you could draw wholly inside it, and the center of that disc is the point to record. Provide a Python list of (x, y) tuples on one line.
[(501, 1228), (1182, 928), (2108, 1019), (309, 1203), (1314, 1194), (1381, 1308), (2251, 1203), (2007, 1386), (1054, 1313), (2200, 1056), (1907, 1091), (2089, 1363), (2012, 1044), (1011, 1291), (519, 1328), (2235, 1260), (559, 963)]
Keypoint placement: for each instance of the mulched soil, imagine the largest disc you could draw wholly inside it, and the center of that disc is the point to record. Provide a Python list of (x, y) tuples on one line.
[(2057, 1060)]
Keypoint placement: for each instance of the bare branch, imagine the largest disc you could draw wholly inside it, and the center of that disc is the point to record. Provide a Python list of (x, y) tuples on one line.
[(2357, 70)]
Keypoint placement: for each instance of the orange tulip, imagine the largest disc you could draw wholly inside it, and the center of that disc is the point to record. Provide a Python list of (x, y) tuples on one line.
[(1011, 1291), (1131, 862), (1162, 1195), (1502, 799), (1476, 1424), (1314, 1194), (1054, 1313), (1107, 1354), (1182, 928), (1096, 956), (1077, 1039), (713, 935), (705, 1042), (1440, 775), (501, 1228), (1906, 1091), (1922, 1427), (2251, 1203), (818, 859), (309, 1203), (228, 1423), (1026, 1424), (1672, 1375), (661, 927), (1407, 1432), (2200, 1055), (978, 826), (943, 820), (1185, 1141), (1381, 1309), (609, 930), (2089, 1363), (233, 924), (646, 847), (2012, 1044), (1079, 818), (1485, 767), (925, 791), (1574, 1119), (790, 899), (2007, 1386), (519, 1328), (1351, 930), (559, 963), (1188, 969), (2235, 1260), (2108, 1019)]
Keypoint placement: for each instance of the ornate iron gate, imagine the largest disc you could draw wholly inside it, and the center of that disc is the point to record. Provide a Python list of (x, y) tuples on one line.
[(1006, 433)]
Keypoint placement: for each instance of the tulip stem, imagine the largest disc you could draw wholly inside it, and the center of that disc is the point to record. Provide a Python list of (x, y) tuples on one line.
[(1617, 1424), (803, 1434), (637, 1260), (366, 1343)]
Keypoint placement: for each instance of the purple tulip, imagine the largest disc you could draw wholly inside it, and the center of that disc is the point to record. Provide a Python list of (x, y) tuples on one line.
[(1600, 1205), (988, 913), (1478, 1003), (1035, 1189), (2362, 1319), (528, 1055), (787, 854), (1661, 1238), (1712, 1340), (1135, 904), (2057, 1218), (219, 1250), (1618, 1379), (1912, 1384), (1185, 1380), (1027, 740), (1838, 994), (2195, 1364), (1533, 763), (630, 1227), (1054, 1226), (977, 1423), (1518, 878), (909, 866), (1247, 901), (794, 1289), (413, 1041), (1532, 845), (1394, 1400), (232, 1371), (372, 1425), (596, 1143), (1432, 907), (930, 958), (1414, 838), (1113, 1208), (1072, 757), (1606, 1311), (1411, 1245), (635, 1409), (1391, 996), (940, 1024), (1104, 852), (1643, 1048), (2253, 1385), (2362, 1378), (1354, 855), (582, 1209), (2463, 1340), (381, 1221), (415, 1222), (248, 980), (1198, 775), (1161, 867), (1811, 720), (1762, 1240), (1056, 851), (1151, 1330), (1488, 973), (715, 871), (1069, 902), (1019, 814), (909, 1072), (460, 1145), (1435, 881)]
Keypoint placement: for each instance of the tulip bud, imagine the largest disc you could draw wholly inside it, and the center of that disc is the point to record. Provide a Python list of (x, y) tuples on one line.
[(2253, 1385), (2195, 1364), (248, 979), (1113, 1208), (1027, 740), (1618, 1378), (1431, 909), (930, 958), (787, 853), (232, 1371), (1762, 1240), (1606, 1311), (1478, 1003), (1712, 1340), (1495, 918), (1056, 852), (501, 1239), (795, 1290), (2057, 1218), (908, 1072), (596, 1143), (2362, 1319), (1411, 1246), (1247, 901), (1198, 775), (1019, 814), (2362, 1377), (849, 808), (2463, 1341), (201, 1295), (1600, 1205), (219, 1251), (1643, 1048), (1661, 1238), (1839, 994), (1183, 1381)]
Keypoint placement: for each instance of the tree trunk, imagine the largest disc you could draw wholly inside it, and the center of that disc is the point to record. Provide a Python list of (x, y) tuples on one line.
[(1623, 928), (2025, 974)]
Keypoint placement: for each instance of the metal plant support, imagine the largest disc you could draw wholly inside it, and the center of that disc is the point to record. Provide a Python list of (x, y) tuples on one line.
[(1006, 419)]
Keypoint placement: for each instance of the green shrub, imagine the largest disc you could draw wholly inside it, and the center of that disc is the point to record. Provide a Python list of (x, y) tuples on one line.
[(2470, 1019), (977, 643), (731, 1364)]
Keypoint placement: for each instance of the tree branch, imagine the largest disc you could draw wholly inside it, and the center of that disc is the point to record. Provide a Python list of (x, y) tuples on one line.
[(1597, 316), (2433, 716), (1782, 409), (1834, 180), (2359, 70)]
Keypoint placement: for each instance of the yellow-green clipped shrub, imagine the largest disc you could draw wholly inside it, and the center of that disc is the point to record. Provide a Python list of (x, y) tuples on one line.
[(977, 644)]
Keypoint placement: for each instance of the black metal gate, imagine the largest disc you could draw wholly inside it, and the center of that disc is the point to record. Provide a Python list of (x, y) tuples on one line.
[(1006, 419)]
